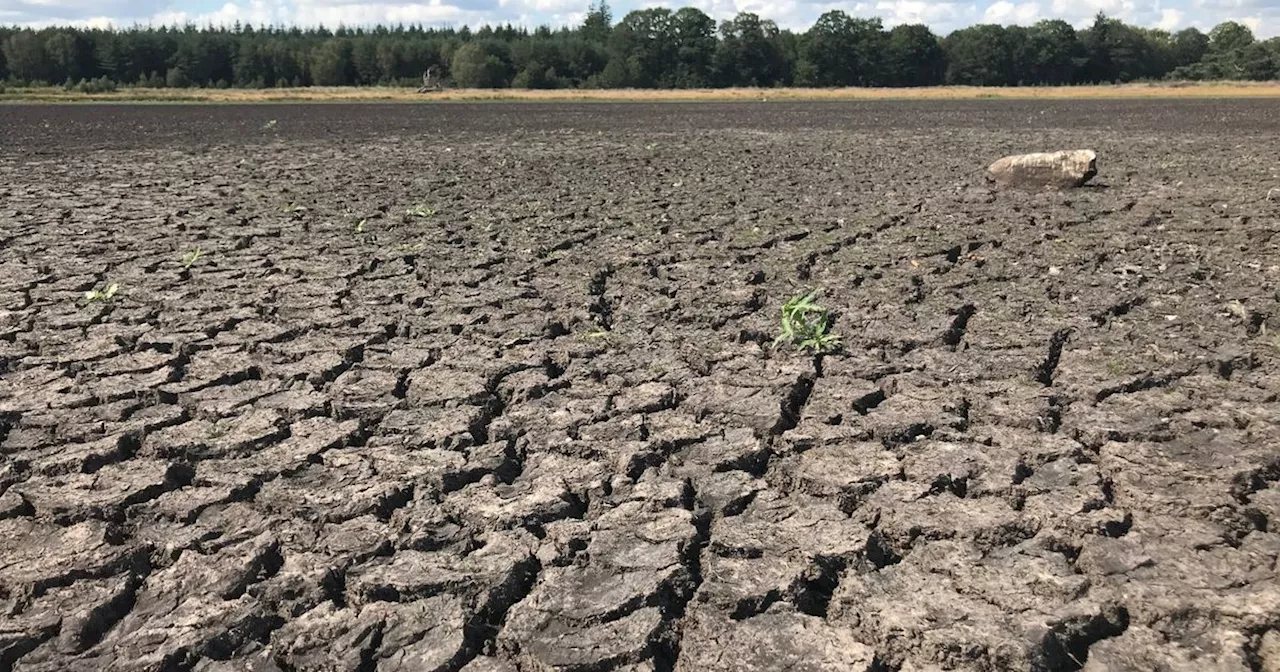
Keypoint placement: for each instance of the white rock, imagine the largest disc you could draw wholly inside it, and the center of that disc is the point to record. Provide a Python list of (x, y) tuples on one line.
[(1057, 170)]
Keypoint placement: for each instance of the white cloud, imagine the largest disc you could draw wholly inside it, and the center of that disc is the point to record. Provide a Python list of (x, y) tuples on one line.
[(783, 12), (1080, 13), (1170, 19), (75, 12), (1253, 22), (896, 12), (307, 14), (1005, 12), (255, 12)]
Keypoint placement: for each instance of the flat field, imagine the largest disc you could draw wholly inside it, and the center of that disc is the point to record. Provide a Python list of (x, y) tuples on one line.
[(491, 388)]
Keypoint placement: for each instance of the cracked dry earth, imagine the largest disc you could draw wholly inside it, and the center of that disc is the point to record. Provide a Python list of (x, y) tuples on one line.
[(538, 424)]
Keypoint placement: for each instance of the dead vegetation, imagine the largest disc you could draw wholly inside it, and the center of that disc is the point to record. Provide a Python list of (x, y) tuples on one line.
[(432, 84)]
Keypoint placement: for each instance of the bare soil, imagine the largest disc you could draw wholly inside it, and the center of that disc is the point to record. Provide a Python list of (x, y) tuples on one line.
[(538, 423)]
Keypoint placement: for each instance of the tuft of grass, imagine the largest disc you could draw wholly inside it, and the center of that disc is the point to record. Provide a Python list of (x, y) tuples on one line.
[(421, 210), (807, 325), (102, 295), (191, 257)]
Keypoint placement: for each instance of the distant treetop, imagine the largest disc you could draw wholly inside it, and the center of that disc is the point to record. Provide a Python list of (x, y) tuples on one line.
[(647, 48)]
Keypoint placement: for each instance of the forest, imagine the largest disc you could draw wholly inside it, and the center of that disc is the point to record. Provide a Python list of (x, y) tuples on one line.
[(648, 48)]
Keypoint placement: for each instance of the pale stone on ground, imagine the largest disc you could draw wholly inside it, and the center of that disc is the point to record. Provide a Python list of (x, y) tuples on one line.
[(1060, 170)]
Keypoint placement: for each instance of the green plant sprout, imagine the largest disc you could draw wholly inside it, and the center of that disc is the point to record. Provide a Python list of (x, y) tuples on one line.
[(807, 325), (420, 210), (360, 228), (191, 257), (102, 294)]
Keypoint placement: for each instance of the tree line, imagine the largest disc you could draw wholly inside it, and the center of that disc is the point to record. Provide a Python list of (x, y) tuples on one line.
[(648, 48)]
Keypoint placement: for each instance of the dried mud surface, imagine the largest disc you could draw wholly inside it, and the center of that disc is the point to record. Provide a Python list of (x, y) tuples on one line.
[(538, 424)]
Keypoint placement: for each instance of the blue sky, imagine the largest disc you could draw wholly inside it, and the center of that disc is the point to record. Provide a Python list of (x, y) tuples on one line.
[(1263, 16)]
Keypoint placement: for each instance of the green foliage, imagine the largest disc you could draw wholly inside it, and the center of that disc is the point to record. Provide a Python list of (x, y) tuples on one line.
[(421, 211), (1054, 52), (846, 51), (64, 53), (807, 325), (1117, 52), (652, 47), (984, 55), (659, 48), (99, 85), (481, 65), (750, 53), (1229, 51), (177, 79), (1188, 47), (536, 76), (914, 57), (1229, 37), (190, 258), (598, 23), (25, 57), (695, 47), (331, 63), (1261, 60)]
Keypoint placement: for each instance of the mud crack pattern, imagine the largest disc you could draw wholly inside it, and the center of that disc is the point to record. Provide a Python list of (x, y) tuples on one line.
[(489, 388)]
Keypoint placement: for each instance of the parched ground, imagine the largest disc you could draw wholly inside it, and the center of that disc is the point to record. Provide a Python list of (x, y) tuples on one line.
[(538, 424)]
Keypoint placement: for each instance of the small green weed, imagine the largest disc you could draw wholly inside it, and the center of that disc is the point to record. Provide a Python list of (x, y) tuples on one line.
[(420, 210), (360, 228), (190, 258), (807, 325), (103, 295), (270, 125)]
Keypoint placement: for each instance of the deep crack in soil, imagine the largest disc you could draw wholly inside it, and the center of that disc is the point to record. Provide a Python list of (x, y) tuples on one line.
[(492, 388)]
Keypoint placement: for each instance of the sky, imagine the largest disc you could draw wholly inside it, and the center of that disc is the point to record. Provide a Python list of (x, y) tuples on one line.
[(943, 16)]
